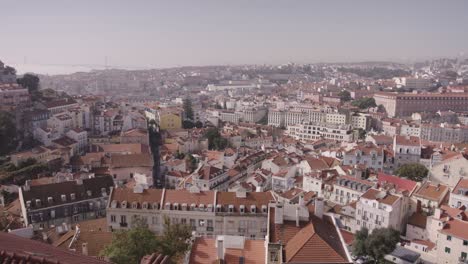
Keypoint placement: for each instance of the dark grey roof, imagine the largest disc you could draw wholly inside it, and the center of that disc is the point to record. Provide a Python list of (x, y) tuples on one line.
[(405, 254)]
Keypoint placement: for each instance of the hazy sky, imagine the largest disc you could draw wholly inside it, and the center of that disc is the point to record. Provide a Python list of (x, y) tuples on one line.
[(49, 35)]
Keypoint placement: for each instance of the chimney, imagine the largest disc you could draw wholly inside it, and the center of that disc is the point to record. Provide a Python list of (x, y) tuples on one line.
[(301, 199), (27, 185), (318, 210), (437, 213), (84, 249), (279, 211), (79, 181), (297, 216), (220, 248)]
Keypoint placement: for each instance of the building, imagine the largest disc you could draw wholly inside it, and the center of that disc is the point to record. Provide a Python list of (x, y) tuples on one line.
[(429, 197), (13, 94), (209, 213), (380, 209), (444, 133), (405, 104), (459, 194), (406, 150), (368, 155), (313, 132), (348, 189), (450, 170), (417, 83), (123, 167), (50, 205), (209, 178), (168, 120), (297, 237)]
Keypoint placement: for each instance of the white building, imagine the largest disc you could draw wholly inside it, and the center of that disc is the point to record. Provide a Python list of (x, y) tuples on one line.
[(313, 132)]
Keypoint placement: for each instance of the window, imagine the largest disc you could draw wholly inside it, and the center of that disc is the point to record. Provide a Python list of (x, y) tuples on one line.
[(201, 222), (463, 255), (449, 238), (447, 250), (465, 242), (273, 256), (123, 219), (112, 218), (76, 218)]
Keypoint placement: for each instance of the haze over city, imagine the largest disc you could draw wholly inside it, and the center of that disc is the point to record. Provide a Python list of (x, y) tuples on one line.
[(232, 132), (82, 35)]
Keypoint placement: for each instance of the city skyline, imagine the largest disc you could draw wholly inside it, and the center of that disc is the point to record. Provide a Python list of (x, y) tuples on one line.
[(85, 35)]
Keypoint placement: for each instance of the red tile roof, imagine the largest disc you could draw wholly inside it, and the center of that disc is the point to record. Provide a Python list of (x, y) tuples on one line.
[(15, 249), (400, 183)]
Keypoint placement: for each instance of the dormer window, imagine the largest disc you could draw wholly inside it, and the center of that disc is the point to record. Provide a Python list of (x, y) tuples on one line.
[(167, 206), (135, 205), (89, 193), (28, 204), (72, 197), (144, 205), (201, 207), (242, 209), (38, 202), (176, 206), (209, 208), (114, 204), (231, 208), (155, 206), (123, 204), (50, 200), (218, 208), (63, 197), (253, 209), (184, 207), (264, 209), (192, 207)]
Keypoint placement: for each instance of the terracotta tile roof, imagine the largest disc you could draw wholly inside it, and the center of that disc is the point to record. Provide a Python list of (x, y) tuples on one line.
[(374, 194), (252, 198), (348, 237), (131, 160), (457, 228), (453, 212), (407, 140), (426, 243), (253, 252), (317, 242), (60, 102), (400, 183), (137, 132), (15, 249), (64, 141), (292, 193), (124, 194), (418, 219), (433, 192), (55, 191), (208, 172), (462, 186), (203, 251), (185, 196), (317, 164)]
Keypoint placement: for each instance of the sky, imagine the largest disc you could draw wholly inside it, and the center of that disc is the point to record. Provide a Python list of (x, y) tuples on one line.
[(65, 36)]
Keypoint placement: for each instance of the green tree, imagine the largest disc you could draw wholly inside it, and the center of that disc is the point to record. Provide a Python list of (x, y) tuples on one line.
[(381, 108), (413, 171), (198, 124), (364, 103), (9, 70), (192, 162), (7, 133), (188, 110), (175, 240), (215, 140), (129, 246), (345, 96), (187, 124), (379, 243), (31, 82)]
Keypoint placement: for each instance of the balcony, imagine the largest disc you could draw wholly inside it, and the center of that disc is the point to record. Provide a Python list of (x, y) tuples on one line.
[(123, 224), (209, 228)]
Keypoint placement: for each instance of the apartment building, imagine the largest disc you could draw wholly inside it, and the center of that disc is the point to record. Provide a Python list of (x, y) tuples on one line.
[(406, 149), (444, 133), (313, 132), (276, 117), (209, 177), (406, 104), (50, 205), (348, 189), (367, 154), (380, 209), (429, 197), (209, 213), (459, 194), (13, 94)]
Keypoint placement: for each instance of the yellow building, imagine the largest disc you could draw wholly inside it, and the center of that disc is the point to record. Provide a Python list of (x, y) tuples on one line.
[(169, 120)]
